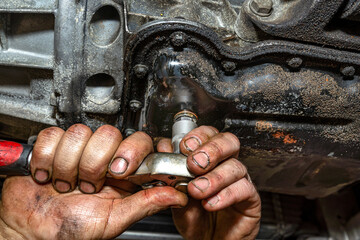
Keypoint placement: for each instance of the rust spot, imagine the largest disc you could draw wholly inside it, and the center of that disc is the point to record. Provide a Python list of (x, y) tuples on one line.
[(263, 126), (279, 135), (286, 138)]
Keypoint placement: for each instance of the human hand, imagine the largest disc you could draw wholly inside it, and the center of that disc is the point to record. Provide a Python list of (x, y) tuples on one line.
[(225, 203), (78, 157)]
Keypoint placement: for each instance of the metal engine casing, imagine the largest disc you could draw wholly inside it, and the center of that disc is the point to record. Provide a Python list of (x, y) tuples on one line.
[(286, 84)]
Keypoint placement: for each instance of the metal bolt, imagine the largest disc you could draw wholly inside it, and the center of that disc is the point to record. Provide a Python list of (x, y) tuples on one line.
[(261, 8), (129, 131), (295, 62), (140, 70), (178, 39), (348, 71), (135, 105), (228, 66)]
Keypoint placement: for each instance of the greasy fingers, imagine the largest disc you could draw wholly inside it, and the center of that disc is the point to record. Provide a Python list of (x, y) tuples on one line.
[(130, 154), (164, 145), (94, 160), (214, 181), (217, 149), (141, 204), (241, 191), (194, 139), (44, 153), (67, 157)]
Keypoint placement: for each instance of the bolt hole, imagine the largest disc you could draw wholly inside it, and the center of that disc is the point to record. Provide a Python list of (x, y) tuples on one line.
[(105, 25), (100, 86)]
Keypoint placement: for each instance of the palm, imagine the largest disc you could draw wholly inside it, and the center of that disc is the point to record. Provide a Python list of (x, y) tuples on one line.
[(51, 215)]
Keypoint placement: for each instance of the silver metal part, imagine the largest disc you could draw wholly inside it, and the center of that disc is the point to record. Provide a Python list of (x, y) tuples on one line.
[(184, 122), (168, 169), (162, 169), (29, 159)]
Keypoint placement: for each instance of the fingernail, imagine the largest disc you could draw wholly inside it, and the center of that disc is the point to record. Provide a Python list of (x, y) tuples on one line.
[(62, 186), (86, 187), (192, 144), (41, 175), (201, 159), (213, 201), (118, 165), (201, 183)]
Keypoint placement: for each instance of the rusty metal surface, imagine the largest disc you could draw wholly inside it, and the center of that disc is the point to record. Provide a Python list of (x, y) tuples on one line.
[(298, 123), (291, 94)]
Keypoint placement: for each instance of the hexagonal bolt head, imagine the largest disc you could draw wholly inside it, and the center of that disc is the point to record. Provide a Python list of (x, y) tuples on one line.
[(140, 70), (261, 7), (295, 62), (348, 71), (135, 105), (178, 39), (228, 66)]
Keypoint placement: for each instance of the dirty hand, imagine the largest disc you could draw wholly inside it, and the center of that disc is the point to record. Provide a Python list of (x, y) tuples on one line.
[(70, 165), (225, 203)]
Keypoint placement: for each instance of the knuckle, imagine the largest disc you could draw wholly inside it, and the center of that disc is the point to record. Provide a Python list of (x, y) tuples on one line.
[(129, 151), (207, 131), (143, 135), (213, 129), (90, 171), (234, 140), (228, 193), (215, 148), (248, 188), (51, 132), (219, 177), (241, 169), (108, 133), (78, 131), (202, 128), (41, 153)]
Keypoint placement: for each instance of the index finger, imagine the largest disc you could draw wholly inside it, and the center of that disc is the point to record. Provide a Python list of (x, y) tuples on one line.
[(130, 155), (219, 148), (196, 138)]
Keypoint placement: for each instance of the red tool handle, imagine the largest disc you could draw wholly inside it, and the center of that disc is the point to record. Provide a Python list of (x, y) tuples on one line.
[(14, 158)]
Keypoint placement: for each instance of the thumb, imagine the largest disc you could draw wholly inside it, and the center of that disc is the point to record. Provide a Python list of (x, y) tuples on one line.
[(144, 203)]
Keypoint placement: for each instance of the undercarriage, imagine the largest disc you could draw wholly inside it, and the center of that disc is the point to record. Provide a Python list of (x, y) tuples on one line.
[(282, 75)]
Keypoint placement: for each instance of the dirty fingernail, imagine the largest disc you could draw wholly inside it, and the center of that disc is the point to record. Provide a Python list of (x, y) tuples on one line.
[(62, 186), (201, 183), (201, 159), (213, 201), (118, 165), (86, 187), (41, 175), (192, 144)]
